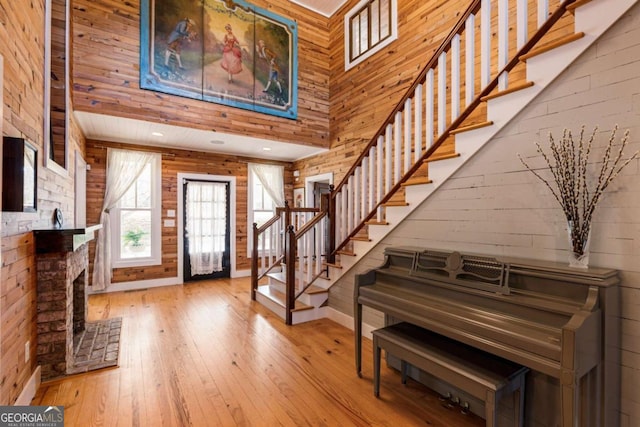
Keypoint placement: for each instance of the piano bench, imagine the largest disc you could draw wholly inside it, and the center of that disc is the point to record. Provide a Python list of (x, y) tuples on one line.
[(482, 375)]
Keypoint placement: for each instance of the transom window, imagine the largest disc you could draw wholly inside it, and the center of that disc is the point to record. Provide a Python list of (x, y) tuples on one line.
[(369, 26)]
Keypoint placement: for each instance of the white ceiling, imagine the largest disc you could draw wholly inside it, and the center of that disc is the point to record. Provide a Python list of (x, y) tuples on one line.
[(117, 129), (324, 7)]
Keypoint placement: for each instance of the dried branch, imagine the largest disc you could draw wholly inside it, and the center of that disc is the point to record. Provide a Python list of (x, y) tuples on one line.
[(568, 164)]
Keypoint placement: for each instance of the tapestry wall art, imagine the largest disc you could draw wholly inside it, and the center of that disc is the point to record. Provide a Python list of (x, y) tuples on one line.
[(221, 51)]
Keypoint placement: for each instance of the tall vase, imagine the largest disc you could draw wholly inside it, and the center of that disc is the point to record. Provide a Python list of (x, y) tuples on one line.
[(578, 246)]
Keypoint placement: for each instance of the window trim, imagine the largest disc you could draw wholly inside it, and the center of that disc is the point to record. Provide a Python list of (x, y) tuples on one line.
[(156, 228), (393, 16)]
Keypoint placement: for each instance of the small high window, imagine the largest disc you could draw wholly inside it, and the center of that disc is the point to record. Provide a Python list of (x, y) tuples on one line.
[(368, 27)]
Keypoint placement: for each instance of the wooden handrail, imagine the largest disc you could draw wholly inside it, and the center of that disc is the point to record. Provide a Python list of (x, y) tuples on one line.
[(293, 236), (257, 231), (444, 47), (473, 8)]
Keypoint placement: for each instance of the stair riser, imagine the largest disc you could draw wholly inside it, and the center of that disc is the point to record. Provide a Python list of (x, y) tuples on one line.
[(315, 299), (308, 315), (271, 305), (414, 194), (589, 20)]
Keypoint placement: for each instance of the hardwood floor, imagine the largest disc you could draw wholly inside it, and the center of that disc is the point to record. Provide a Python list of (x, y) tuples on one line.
[(204, 354)]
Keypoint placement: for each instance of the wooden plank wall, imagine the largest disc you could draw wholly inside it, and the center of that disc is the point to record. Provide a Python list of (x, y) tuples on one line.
[(17, 314), (22, 44), (363, 97), (174, 162), (106, 42)]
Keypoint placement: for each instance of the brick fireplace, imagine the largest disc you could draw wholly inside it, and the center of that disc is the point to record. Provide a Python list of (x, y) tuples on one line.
[(61, 307), (62, 261)]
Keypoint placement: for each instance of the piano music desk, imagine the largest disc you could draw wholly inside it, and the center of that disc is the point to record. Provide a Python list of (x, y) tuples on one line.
[(482, 375)]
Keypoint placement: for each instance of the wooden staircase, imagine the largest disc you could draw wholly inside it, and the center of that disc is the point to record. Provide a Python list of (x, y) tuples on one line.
[(452, 110)]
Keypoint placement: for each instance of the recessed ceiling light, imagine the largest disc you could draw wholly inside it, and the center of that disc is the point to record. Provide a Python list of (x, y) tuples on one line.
[(266, 148), (157, 134)]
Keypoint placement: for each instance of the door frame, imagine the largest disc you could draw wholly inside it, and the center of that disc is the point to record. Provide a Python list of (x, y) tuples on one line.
[(232, 220), (308, 185)]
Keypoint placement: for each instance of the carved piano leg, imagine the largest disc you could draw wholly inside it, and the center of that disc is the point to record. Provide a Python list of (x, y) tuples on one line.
[(357, 317)]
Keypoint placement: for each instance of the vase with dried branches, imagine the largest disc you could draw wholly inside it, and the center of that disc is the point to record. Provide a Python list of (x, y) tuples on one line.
[(575, 188)]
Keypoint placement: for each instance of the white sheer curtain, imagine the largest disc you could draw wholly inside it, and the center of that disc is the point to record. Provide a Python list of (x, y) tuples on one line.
[(272, 179), (123, 168), (206, 212)]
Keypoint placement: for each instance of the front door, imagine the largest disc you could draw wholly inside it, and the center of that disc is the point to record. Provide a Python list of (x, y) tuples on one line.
[(206, 230)]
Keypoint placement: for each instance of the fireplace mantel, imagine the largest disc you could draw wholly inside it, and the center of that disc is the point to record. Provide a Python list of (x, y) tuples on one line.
[(63, 239)]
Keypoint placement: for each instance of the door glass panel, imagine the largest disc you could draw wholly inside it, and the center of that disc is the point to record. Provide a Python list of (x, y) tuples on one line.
[(206, 226)]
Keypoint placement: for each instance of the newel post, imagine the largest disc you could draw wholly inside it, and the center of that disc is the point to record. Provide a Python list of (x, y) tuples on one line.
[(331, 214), (254, 262), (287, 216), (290, 256)]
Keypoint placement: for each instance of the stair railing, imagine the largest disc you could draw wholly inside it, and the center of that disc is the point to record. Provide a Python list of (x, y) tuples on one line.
[(446, 93), (416, 131), (268, 250), (306, 254)]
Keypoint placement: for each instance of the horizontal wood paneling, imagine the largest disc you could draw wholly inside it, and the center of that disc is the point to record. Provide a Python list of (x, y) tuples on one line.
[(22, 45), (174, 162), (363, 97), (106, 76), (17, 315)]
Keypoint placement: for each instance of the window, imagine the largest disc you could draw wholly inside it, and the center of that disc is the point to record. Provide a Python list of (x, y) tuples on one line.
[(265, 183), (263, 206), (136, 220), (368, 27)]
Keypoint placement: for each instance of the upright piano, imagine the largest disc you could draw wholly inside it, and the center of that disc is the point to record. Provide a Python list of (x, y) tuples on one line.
[(555, 320)]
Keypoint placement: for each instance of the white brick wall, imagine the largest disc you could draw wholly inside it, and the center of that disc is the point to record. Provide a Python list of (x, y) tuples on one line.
[(494, 206)]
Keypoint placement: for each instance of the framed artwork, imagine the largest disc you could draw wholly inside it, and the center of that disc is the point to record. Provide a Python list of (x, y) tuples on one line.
[(298, 197), (221, 51)]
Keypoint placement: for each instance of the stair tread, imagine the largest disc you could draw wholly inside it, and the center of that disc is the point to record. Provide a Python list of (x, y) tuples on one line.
[(417, 180), (345, 252), (471, 127), (360, 238), (374, 222), (279, 298), (332, 265), (314, 290), (436, 157), (395, 203), (552, 45), (507, 91), (282, 277)]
